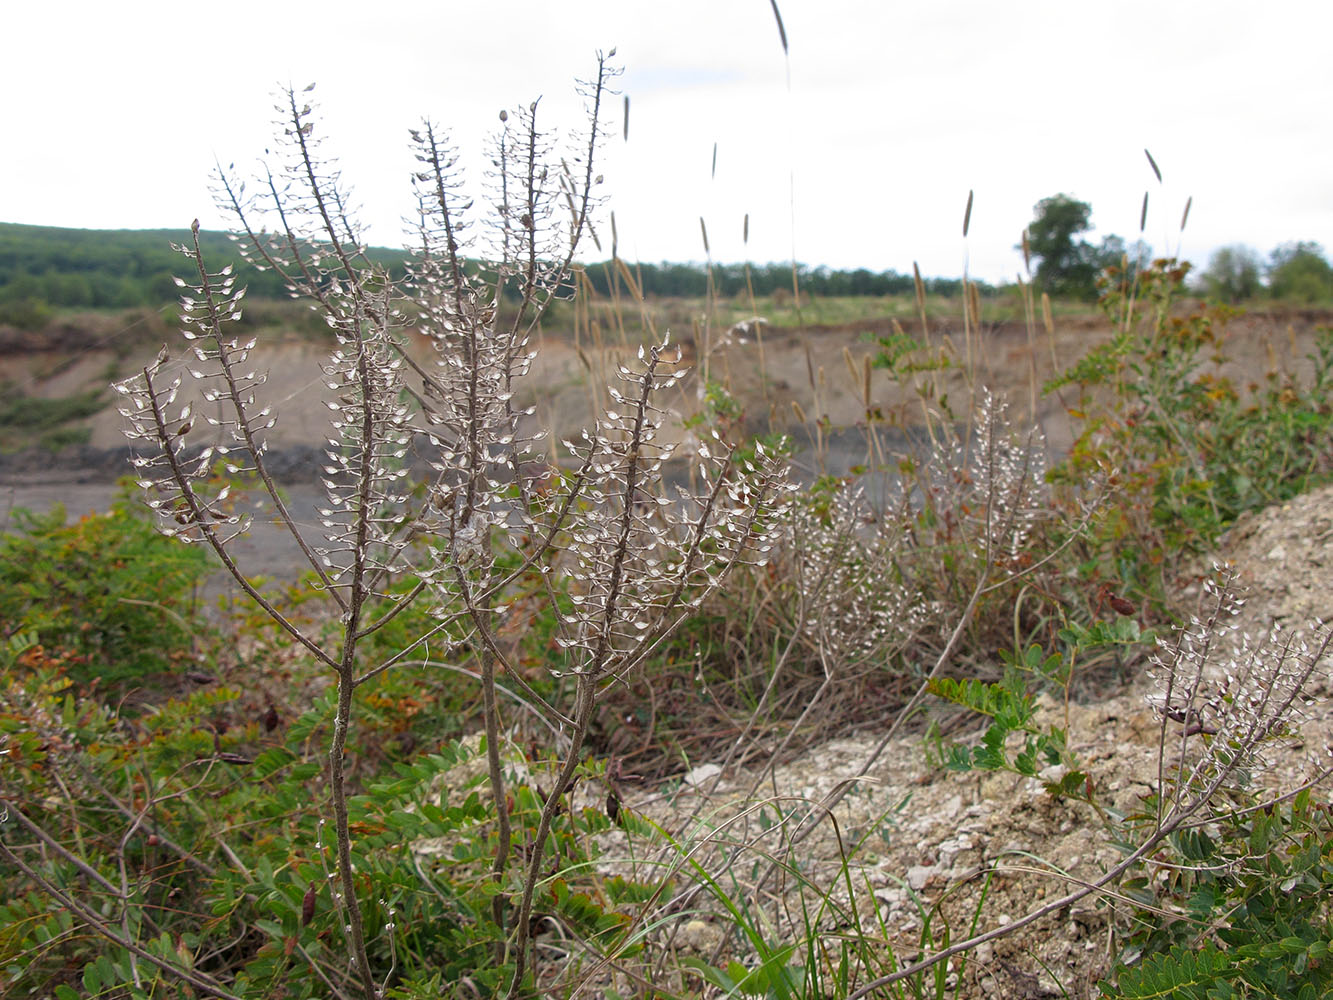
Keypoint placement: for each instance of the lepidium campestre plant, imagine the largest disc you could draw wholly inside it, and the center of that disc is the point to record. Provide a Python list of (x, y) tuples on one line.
[(873, 597), (872, 594), (602, 531)]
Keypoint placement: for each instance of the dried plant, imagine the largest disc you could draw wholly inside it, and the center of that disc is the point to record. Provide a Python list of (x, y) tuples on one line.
[(441, 494), (635, 561), (1229, 704), (877, 595), (867, 596)]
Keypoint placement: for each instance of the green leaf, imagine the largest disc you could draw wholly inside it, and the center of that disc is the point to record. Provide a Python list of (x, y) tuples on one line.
[(710, 973), (271, 760), (304, 772), (271, 928), (1259, 836), (1025, 763)]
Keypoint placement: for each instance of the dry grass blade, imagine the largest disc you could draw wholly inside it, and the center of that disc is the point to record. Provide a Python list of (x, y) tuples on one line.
[(627, 276), (852, 369), (782, 31), (920, 289), (1153, 163)]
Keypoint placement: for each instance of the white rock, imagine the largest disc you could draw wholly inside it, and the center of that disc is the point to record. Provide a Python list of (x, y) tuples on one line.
[(919, 875), (1053, 774), (699, 936), (704, 772)]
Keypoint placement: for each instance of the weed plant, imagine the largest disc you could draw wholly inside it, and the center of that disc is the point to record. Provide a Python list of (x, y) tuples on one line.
[(632, 562), (1192, 450)]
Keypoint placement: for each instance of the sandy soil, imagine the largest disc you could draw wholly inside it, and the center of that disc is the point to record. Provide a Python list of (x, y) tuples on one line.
[(775, 374)]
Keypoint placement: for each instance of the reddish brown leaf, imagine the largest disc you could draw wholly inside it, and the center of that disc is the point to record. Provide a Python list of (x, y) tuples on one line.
[(308, 905), (1121, 606)]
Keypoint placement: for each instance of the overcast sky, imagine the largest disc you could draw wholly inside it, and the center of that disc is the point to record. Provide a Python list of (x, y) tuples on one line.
[(857, 151)]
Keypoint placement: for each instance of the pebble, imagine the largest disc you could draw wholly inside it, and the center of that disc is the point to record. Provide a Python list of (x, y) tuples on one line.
[(919, 875)]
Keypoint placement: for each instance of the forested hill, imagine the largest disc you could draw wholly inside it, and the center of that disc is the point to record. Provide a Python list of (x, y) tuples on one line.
[(44, 267)]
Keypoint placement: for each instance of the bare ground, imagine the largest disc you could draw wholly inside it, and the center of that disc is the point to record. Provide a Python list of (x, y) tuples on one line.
[(776, 374)]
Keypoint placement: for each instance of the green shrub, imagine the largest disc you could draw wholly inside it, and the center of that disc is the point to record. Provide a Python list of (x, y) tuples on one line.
[(25, 313), (107, 590), (221, 826), (1253, 893), (1190, 451)]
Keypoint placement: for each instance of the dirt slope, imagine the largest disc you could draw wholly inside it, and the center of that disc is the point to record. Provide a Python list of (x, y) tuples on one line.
[(774, 373), (930, 835)]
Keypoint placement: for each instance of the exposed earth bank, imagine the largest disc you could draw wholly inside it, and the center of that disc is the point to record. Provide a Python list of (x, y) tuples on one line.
[(776, 374)]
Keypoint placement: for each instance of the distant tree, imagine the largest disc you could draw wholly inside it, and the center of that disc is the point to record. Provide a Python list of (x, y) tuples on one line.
[(1233, 274), (1066, 266), (1299, 272), (24, 314), (862, 282)]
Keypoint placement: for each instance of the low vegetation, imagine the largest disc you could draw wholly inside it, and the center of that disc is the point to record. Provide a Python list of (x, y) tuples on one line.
[(405, 775), (48, 424)]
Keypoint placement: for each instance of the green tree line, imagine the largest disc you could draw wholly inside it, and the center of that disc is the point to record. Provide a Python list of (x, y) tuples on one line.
[(44, 268), (1068, 267), (92, 268), (731, 280), (1294, 272)]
